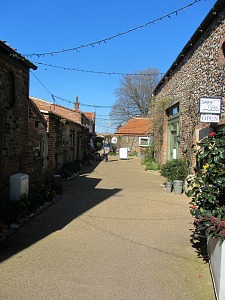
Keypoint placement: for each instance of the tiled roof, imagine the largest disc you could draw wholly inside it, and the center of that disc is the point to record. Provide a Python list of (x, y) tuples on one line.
[(90, 115), (56, 109), (37, 111), (136, 126)]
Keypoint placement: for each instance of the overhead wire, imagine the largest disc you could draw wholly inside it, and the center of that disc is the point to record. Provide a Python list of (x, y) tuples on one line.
[(66, 100), (97, 72), (96, 106), (93, 44), (89, 105)]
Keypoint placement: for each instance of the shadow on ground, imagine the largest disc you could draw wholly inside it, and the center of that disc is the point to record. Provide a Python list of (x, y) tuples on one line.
[(78, 196), (199, 244)]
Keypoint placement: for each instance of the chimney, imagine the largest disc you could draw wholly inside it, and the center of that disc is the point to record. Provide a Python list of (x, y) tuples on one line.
[(76, 104)]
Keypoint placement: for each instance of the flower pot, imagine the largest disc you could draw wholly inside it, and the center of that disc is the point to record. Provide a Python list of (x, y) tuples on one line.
[(216, 253), (168, 187), (178, 187)]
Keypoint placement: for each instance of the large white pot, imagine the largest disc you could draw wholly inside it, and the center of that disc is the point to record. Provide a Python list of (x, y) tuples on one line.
[(216, 252)]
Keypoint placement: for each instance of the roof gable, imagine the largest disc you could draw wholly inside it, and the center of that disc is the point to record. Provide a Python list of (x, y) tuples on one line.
[(56, 109), (7, 52), (136, 126), (90, 115)]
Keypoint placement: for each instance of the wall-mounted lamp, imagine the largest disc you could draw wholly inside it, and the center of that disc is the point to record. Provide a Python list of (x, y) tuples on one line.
[(178, 138)]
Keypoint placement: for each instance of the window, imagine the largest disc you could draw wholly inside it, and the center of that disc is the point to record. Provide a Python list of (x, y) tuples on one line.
[(144, 141), (174, 110), (39, 148)]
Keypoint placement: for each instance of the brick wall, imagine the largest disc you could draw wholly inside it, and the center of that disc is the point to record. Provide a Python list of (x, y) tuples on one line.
[(14, 86), (62, 124), (59, 142), (129, 141), (37, 147)]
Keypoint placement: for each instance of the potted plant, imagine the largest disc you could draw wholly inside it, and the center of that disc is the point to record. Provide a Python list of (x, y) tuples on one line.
[(207, 189), (175, 171), (165, 172)]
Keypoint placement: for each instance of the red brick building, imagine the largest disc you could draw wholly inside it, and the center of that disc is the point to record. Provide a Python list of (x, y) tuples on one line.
[(36, 137), (14, 118), (68, 133)]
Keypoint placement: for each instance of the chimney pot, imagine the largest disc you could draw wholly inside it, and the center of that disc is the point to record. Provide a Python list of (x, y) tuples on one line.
[(76, 104)]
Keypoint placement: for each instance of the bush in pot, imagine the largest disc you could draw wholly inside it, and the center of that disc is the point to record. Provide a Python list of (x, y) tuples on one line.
[(207, 188), (176, 169)]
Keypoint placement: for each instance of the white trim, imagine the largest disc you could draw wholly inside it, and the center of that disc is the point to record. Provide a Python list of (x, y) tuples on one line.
[(146, 138)]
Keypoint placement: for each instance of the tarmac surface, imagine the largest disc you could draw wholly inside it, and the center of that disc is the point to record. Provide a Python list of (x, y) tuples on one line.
[(113, 234)]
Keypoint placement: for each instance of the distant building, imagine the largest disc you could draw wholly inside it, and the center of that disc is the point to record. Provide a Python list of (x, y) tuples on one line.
[(68, 133), (134, 134)]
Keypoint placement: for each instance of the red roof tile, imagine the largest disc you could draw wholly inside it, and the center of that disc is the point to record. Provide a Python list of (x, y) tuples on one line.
[(56, 109), (90, 115), (136, 126)]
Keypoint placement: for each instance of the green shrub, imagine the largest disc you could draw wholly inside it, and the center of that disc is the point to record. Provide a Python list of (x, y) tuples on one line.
[(133, 153), (11, 211), (207, 188), (148, 152), (176, 169), (150, 164)]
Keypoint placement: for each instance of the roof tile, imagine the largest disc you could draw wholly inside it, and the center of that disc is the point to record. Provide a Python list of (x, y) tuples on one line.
[(136, 126)]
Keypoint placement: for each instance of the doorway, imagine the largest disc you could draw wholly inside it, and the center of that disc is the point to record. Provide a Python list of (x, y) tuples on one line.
[(173, 138)]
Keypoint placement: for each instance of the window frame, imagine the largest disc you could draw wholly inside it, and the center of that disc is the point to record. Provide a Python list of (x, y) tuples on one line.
[(147, 138)]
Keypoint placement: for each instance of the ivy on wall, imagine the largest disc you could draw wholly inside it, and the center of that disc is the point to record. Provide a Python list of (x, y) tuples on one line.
[(61, 142), (159, 115)]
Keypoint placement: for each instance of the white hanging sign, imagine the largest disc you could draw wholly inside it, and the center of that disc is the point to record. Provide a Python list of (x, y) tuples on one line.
[(210, 105), (207, 118)]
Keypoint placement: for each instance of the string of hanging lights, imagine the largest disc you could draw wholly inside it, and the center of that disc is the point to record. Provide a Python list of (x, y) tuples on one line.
[(98, 72), (93, 44), (54, 97)]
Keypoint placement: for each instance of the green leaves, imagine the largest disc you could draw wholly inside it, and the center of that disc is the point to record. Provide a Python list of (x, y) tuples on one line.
[(207, 188), (190, 193), (176, 169)]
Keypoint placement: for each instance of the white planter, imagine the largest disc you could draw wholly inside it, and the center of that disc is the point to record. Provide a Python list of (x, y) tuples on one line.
[(216, 252)]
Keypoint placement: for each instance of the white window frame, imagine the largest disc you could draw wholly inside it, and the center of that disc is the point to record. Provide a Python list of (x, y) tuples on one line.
[(144, 138), (39, 148)]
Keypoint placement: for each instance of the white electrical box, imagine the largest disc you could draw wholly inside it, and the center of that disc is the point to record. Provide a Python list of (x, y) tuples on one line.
[(123, 153), (19, 185)]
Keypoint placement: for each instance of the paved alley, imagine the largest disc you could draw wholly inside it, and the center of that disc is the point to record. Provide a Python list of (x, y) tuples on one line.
[(113, 235)]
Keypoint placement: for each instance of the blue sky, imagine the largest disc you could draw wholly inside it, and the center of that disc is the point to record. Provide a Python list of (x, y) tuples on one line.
[(46, 26)]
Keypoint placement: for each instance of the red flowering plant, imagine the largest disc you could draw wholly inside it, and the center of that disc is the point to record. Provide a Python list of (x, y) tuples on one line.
[(207, 188)]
